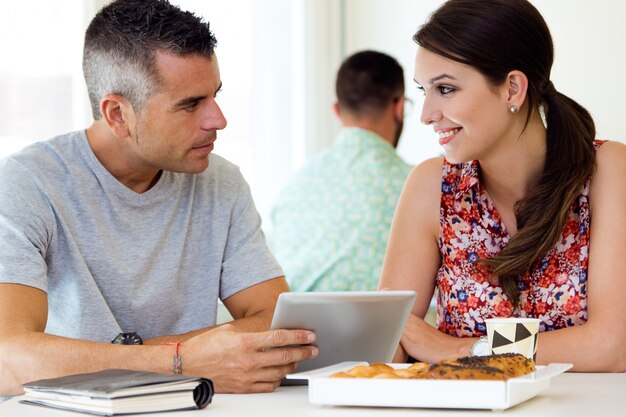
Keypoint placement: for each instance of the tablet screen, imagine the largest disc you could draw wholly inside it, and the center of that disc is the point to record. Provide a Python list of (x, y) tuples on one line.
[(349, 326)]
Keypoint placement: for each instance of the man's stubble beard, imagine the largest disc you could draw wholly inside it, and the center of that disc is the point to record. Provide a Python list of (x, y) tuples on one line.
[(396, 138)]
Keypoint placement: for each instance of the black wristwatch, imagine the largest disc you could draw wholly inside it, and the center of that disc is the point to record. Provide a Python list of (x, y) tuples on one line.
[(127, 339)]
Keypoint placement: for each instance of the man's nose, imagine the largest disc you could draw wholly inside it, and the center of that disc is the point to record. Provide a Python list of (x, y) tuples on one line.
[(214, 118)]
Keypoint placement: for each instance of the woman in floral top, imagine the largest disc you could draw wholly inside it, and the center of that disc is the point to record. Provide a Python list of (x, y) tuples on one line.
[(501, 226)]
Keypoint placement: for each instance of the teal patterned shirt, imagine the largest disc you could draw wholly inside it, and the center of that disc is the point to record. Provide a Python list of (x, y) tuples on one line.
[(332, 220)]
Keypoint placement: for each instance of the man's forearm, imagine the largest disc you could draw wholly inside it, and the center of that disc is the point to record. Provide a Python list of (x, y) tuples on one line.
[(32, 356), (176, 337), (258, 322)]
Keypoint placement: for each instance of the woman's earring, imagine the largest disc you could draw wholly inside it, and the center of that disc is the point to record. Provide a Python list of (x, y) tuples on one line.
[(542, 114), (512, 108)]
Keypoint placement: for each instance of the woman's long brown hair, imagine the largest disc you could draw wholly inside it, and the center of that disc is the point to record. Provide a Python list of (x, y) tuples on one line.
[(496, 37)]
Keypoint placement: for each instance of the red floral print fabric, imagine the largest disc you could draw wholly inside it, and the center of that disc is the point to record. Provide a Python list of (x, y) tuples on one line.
[(555, 290)]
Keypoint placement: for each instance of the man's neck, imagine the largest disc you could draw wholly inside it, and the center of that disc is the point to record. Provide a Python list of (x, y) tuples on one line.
[(115, 156), (385, 132)]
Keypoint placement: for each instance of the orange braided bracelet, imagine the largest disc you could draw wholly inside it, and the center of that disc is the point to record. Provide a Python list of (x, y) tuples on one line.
[(178, 360)]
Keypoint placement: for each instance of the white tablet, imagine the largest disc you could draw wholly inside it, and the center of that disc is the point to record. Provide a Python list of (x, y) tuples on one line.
[(349, 326)]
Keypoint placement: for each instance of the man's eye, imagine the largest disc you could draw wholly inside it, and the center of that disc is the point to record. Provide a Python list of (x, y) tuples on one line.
[(190, 107)]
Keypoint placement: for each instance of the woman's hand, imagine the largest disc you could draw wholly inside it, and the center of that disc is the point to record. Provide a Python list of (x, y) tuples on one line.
[(427, 344)]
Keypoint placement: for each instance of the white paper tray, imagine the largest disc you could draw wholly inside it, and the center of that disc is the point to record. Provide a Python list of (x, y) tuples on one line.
[(426, 393)]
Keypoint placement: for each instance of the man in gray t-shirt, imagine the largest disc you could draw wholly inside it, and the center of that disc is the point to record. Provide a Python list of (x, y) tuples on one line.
[(132, 230)]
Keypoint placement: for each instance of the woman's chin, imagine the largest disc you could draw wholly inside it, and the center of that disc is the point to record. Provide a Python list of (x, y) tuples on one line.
[(453, 158)]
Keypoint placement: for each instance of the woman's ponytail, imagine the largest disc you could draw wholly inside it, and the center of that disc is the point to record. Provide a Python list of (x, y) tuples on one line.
[(541, 215)]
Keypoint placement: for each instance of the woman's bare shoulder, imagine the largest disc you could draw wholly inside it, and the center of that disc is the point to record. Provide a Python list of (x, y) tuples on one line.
[(611, 154), (610, 161), (608, 178), (426, 176), (422, 190)]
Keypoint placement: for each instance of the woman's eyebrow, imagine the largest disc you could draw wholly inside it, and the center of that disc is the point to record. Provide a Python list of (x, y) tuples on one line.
[(439, 77)]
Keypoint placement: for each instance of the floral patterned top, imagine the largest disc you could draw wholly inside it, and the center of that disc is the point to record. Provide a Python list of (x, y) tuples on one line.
[(555, 290)]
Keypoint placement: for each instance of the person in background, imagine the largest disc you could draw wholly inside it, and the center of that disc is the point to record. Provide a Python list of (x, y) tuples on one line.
[(331, 221), (521, 217), (130, 231)]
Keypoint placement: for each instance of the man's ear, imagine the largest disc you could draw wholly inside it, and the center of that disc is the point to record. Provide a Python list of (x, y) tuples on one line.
[(516, 85), (337, 110), (398, 108), (118, 114)]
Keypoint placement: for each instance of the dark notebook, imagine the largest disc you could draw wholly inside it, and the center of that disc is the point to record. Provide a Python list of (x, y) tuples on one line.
[(118, 391)]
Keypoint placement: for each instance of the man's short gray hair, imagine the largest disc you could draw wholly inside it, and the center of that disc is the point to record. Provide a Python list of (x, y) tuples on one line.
[(121, 43)]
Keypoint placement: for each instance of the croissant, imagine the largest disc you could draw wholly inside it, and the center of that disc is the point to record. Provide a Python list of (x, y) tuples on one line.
[(495, 367)]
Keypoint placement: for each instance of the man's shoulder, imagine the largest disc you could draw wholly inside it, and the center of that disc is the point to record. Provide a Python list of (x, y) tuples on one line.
[(41, 158), (329, 161), (30, 178), (399, 166), (48, 149)]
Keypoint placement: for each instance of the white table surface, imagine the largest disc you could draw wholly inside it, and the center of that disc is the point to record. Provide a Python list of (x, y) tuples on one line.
[(570, 395)]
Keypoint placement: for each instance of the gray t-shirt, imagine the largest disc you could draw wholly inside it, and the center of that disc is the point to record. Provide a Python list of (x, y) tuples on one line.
[(112, 260)]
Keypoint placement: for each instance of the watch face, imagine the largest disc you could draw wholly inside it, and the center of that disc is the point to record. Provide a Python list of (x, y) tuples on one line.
[(127, 339), (481, 347)]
